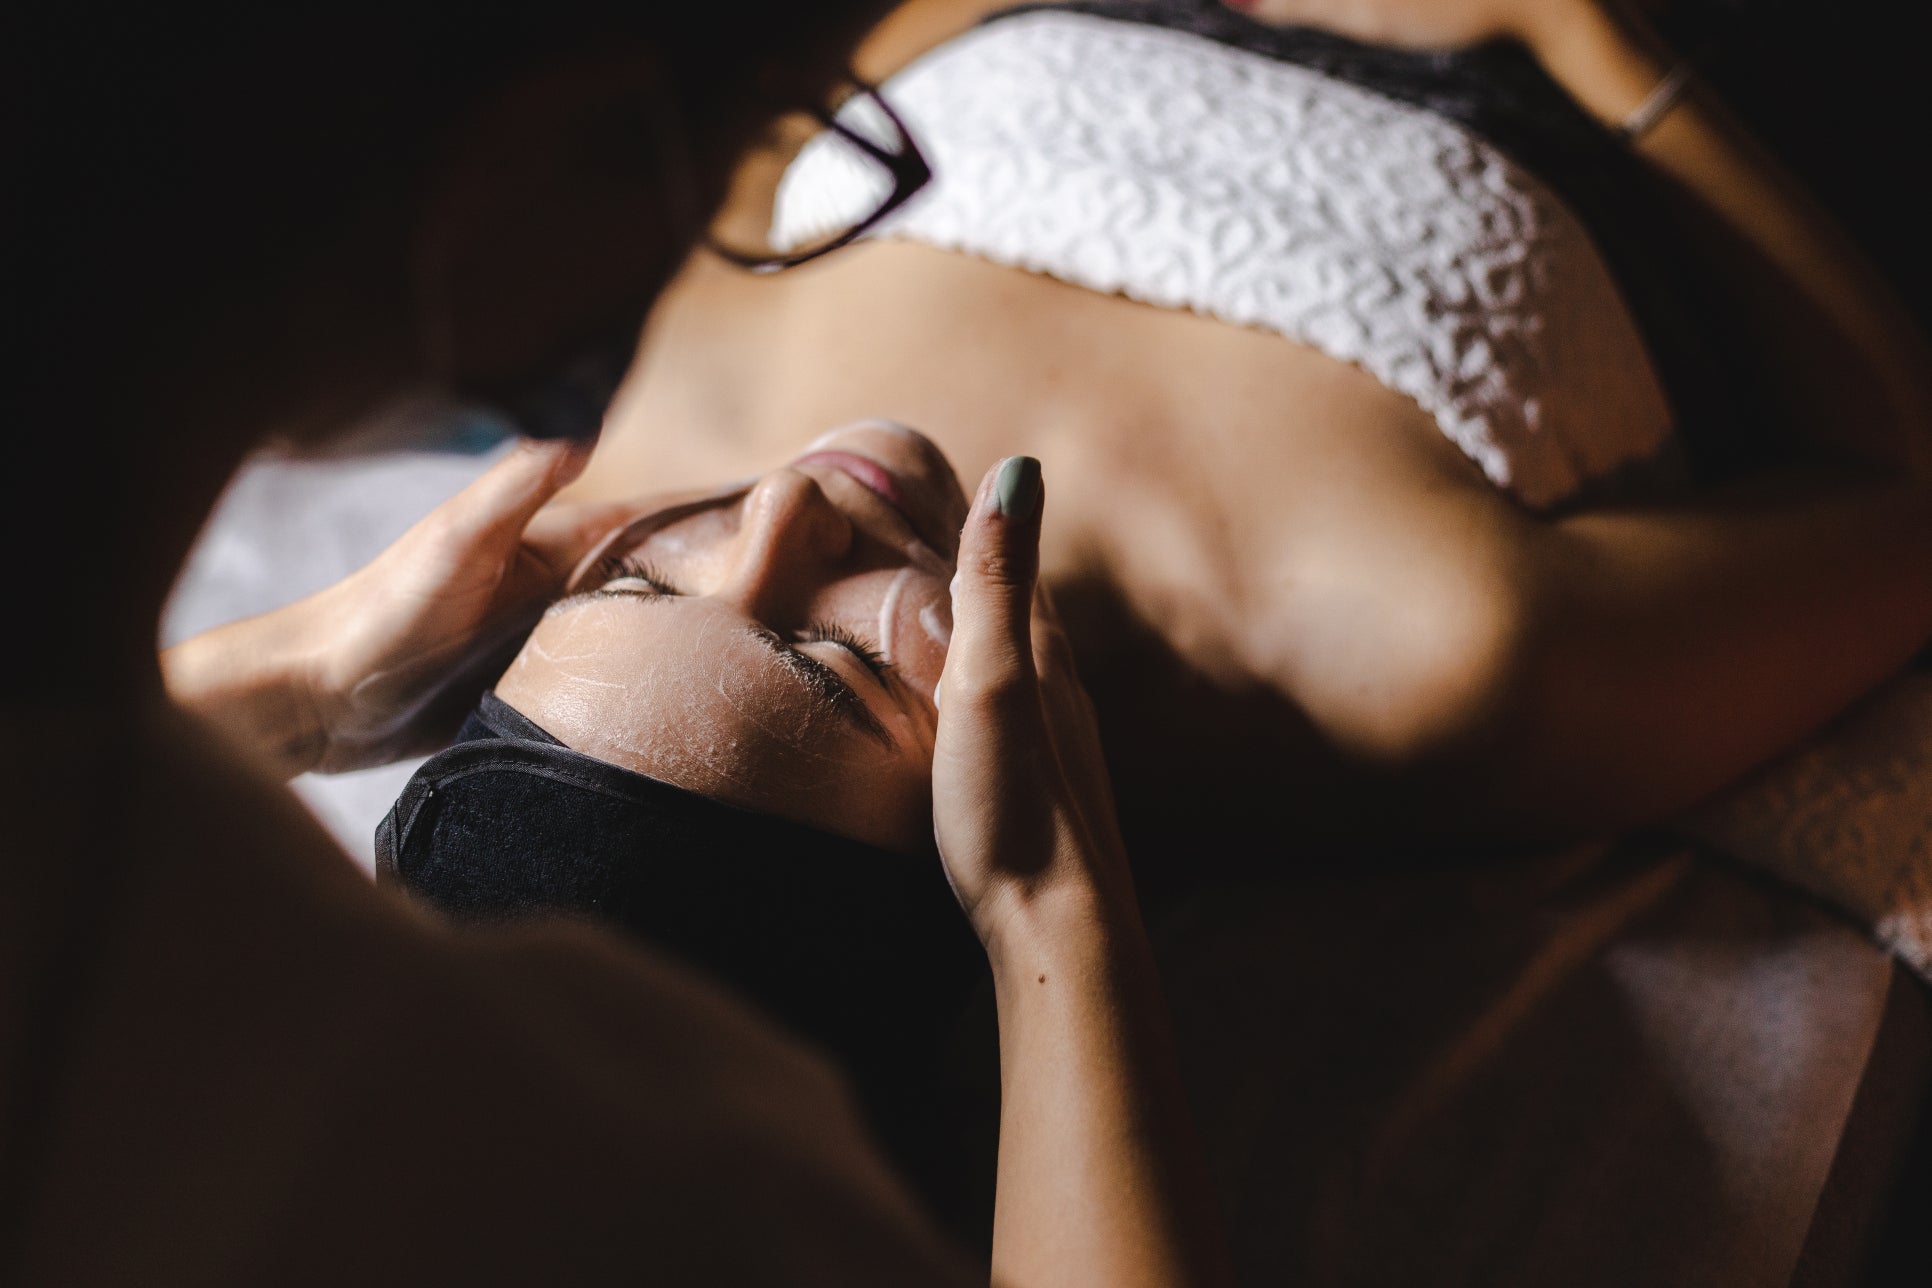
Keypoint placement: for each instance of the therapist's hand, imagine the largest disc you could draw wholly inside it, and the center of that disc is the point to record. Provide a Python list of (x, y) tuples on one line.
[(1099, 1179), (1023, 811), (383, 664)]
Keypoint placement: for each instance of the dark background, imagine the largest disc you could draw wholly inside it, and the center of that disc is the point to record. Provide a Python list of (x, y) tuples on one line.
[(1840, 91)]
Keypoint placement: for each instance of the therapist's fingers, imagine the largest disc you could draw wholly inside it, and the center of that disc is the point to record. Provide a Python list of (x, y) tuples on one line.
[(1052, 654), (1065, 700), (1071, 721), (1062, 697), (494, 510), (561, 534), (1068, 706), (990, 660)]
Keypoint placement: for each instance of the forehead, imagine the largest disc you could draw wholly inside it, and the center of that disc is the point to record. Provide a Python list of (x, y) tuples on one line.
[(681, 690)]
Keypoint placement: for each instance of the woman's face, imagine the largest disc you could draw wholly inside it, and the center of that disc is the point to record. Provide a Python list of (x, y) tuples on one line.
[(774, 645)]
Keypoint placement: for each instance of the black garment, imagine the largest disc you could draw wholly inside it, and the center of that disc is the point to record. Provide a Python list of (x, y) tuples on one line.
[(864, 952)]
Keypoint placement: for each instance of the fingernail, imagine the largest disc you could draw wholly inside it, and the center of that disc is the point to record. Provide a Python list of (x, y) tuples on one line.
[(1017, 489)]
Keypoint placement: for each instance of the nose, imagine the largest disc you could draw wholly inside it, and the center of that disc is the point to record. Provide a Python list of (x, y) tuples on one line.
[(791, 541)]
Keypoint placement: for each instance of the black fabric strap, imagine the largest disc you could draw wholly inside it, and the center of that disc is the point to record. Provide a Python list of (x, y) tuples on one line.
[(495, 718), (861, 951)]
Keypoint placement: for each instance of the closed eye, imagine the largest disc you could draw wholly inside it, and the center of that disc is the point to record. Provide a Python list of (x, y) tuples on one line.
[(637, 580), (864, 650), (615, 578), (824, 682), (630, 576)]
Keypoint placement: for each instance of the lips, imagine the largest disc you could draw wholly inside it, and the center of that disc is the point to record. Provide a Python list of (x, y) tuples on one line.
[(905, 497), (876, 478)]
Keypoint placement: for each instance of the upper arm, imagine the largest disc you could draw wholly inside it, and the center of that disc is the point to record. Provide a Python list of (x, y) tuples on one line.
[(1392, 604), (1400, 647), (1555, 675), (1694, 640)]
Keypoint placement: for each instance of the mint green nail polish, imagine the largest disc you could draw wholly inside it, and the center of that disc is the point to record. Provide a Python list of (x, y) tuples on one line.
[(1017, 489)]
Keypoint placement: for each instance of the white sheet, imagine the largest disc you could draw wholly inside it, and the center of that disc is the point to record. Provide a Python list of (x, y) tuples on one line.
[(286, 528)]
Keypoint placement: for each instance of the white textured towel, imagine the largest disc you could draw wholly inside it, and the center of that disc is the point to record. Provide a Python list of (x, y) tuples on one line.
[(1183, 173), (1848, 817)]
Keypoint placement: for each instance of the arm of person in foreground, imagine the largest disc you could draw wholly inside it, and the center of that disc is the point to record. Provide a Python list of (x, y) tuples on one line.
[(1099, 1178), (382, 664)]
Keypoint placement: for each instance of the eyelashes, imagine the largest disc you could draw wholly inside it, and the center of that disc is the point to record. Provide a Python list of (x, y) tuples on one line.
[(613, 569), (859, 647), (631, 568)]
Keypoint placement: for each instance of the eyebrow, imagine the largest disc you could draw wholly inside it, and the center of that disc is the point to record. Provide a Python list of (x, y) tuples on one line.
[(823, 682)]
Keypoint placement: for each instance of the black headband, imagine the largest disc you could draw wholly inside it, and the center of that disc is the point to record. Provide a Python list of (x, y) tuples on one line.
[(852, 946)]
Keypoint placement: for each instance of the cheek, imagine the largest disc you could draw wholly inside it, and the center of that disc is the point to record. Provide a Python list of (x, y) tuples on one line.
[(916, 627), (574, 679), (800, 740), (888, 804)]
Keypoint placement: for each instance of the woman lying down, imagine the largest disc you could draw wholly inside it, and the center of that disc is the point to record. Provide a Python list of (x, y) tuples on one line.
[(729, 773), (1400, 558), (1370, 519), (725, 738), (1367, 420), (1365, 521)]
